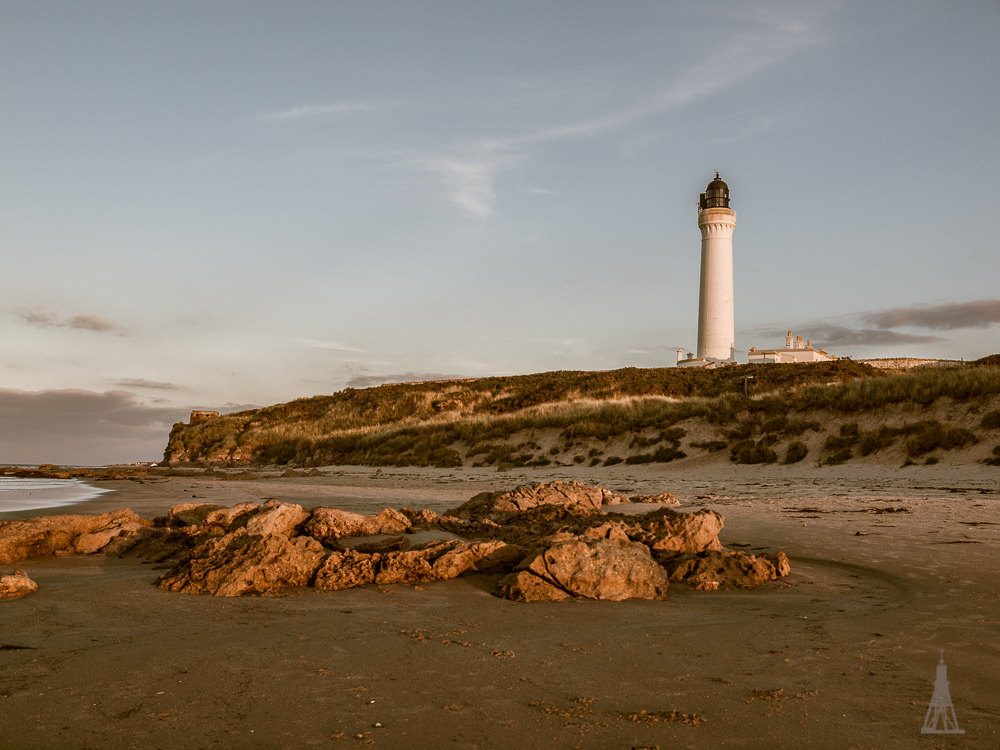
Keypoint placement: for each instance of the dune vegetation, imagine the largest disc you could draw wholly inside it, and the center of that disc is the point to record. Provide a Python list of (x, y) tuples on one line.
[(746, 413)]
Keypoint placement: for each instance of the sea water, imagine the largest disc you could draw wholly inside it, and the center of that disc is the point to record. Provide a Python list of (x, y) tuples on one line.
[(30, 494)]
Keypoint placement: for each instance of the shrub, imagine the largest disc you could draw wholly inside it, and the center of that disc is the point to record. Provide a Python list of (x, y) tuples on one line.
[(990, 420), (931, 434), (711, 445), (876, 440), (595, 461), (749, 452), (993, 460), (663, 455), (931, 460), (796, 452), (579, 459), (612, 460), (838, 443), (796, 427), (839, 457), (775, 424)]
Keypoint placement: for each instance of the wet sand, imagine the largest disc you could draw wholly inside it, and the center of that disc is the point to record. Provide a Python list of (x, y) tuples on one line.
[(851, 638)]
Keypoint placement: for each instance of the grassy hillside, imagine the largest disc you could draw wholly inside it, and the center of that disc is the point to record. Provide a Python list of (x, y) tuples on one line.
[(630, 415)]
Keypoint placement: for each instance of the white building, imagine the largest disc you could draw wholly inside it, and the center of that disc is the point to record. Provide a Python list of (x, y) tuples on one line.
[(716, 312), (795, 351)]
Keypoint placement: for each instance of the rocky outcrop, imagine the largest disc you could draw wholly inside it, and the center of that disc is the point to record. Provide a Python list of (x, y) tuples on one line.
[(15, 585), (332, 524), (550, 542), (243, 563), (46, 535), (608, 569), (576, 495), (190, 514), (717, 569), (671, 531), (277, 518), (433, 561)]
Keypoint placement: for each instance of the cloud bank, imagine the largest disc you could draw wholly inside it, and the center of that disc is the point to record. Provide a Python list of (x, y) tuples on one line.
[(82, 427), (950, 316), (876, 328)]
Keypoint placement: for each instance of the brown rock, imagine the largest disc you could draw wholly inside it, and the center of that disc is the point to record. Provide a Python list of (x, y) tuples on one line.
[(274, 517), (479, 557), (242, 563), (609, 569), (190, 514), (439, 560), (392, 544), (719, 568), (16, 584), (667, 530), (663, 497), (230, 519), (344, 570), (45, 535), (524, 586), (333, 523), (576, 495)]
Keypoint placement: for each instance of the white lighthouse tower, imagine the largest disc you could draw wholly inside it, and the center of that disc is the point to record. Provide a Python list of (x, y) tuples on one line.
[(716, 314)]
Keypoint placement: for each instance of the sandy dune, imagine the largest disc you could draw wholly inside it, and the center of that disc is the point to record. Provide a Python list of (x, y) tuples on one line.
[(841, 654)]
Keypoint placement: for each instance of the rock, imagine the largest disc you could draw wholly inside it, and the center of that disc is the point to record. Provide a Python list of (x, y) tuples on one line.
[(607, 530), (576, 495), (781, 565), (420, 518), (230, 519), (45, 535), (524, 586), (345, 570), (242, 563), (190, 514), (392, 544), (16, 584), (333, 523), (713, 569), (88, 544), (439, 560), (479, 557), (609, 569), (663, 497), (274, 517), (668, 530)]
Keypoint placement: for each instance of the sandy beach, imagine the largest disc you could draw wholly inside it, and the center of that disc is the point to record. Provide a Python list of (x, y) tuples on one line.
[(840, 654)]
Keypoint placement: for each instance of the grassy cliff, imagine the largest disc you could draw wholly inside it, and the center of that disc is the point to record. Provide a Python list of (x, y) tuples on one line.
[(755, 413)]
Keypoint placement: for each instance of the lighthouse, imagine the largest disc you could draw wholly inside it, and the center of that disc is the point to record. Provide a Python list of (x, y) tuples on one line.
[(716, 314)]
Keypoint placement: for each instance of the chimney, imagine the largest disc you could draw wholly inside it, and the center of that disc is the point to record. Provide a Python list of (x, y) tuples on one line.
[(809, 344), (680, 354), (788, 340), (798, 342)]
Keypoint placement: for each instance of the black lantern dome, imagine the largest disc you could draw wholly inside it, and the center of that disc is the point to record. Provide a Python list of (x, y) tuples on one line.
[(716, 195)]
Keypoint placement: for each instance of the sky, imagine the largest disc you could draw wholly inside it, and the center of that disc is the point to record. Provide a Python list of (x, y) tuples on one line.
[(218, 205)]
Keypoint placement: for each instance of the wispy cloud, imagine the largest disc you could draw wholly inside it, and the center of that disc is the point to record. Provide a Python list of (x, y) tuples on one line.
[(313, 110), (944, 317), (84, 322), (154, 385), (339, 346), (759, 39)]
